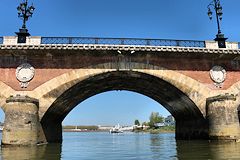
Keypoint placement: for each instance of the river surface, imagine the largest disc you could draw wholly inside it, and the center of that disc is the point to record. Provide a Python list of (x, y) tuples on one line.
[(126, 146)]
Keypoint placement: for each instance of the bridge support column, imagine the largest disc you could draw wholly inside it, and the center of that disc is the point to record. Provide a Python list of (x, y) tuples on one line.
[(222, 117), (21, 125)]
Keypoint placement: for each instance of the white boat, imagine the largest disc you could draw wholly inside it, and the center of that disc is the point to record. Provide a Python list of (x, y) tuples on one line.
[(116, 129)]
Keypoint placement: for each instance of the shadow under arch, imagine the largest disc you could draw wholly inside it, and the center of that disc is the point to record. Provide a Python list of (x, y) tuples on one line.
[(190, 123)]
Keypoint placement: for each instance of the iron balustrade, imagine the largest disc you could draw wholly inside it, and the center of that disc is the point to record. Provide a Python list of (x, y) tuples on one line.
[(1, 40), (122, 41)]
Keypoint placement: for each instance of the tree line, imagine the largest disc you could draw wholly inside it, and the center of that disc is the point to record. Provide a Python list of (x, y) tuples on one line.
[(154, 119)]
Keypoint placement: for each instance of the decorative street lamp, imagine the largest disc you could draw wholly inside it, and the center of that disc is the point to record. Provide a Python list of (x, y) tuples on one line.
[(24, 12), (215, 4)]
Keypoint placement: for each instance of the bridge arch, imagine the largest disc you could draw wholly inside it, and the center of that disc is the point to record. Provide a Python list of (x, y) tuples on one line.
[(166, 90), (5, 92), (48, 92)]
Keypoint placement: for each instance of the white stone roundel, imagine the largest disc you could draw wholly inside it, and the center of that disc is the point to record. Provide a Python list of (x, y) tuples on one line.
[(25, 72), (218, 74)]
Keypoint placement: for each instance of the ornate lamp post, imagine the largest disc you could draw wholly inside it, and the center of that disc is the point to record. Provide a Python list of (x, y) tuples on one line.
[(24, 12), (215, 4)]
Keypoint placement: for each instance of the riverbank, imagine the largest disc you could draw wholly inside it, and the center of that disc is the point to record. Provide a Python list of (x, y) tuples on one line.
[(164, 129), (83, 130)]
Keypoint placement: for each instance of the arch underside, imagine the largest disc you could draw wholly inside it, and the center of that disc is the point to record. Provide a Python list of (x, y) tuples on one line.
[(175, 101), (187, 114)]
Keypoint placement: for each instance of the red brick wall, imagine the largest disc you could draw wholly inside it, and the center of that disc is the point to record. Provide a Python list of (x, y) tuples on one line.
[(52, 63)]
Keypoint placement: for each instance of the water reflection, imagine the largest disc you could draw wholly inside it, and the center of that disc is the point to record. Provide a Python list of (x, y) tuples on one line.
[(160, 146), (98, 146), (207, 150), (43, 152), (225, 150), (155, 145)]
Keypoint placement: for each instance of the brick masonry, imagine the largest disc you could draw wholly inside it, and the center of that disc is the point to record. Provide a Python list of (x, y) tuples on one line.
[(52, 63), (66, 75)]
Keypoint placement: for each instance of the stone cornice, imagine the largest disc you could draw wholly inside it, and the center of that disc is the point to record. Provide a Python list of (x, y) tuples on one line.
[(119, 47)]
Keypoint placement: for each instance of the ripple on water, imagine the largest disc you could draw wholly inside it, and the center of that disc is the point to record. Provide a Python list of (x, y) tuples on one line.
[(126, 146)]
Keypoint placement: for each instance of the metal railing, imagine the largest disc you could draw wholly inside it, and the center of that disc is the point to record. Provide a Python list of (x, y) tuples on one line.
[(1, 40), (122, 41)]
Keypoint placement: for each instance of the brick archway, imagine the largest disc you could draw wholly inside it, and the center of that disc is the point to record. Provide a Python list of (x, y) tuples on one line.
[(171, 89), (48, 92)]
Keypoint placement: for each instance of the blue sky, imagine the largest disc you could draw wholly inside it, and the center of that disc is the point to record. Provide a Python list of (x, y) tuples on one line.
[(163, 19)]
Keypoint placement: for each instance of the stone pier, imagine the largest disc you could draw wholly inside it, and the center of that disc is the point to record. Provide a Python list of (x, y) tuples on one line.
[(21, 125), (61, 72), (223, 119)]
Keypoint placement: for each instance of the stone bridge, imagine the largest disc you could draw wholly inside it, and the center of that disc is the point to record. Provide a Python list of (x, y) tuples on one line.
[(42, 82)]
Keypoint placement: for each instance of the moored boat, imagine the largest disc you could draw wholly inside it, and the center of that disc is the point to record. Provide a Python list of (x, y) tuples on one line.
[(116, 129)]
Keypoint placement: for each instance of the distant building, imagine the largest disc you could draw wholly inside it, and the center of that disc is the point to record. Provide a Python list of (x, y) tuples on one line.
[(159, 124), (1, 124), (140, 127), (104, 127), (169, 121)]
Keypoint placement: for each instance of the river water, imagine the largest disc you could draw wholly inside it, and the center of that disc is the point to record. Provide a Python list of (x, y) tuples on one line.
[(126, 146)]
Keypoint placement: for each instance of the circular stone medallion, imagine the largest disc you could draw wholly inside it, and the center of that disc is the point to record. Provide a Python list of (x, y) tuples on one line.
[(218, 74), (25, 72)]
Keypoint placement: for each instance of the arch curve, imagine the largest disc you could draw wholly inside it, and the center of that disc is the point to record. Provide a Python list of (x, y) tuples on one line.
[(51, 90), (173, 99)]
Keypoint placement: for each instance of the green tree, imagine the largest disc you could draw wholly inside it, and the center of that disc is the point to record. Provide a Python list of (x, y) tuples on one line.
[(137, 122), (145, 123), (155, 118)]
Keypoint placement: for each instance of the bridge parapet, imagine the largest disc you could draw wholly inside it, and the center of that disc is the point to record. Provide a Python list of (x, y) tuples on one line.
[(12, 40), (122, 41), (35, 44), (36, 40), (214, 45)]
